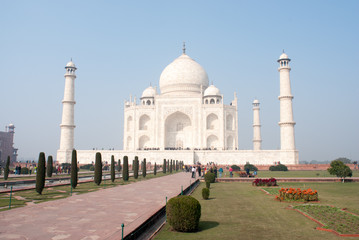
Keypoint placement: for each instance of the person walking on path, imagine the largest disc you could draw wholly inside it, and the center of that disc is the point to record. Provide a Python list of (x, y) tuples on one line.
[(193, 172), (230, 172), (220, 172), (199, 170)]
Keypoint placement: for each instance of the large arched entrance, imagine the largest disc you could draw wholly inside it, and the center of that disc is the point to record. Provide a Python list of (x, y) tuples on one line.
[(178, 131)]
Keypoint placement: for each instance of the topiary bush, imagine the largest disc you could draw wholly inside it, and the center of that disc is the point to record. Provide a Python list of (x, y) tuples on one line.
[(251, 167), (144, 170), (183, 213), (40, 173), (205, 193), (98, 169), (236, 168), (164, 166), (74, 177), (86, 166), (7, 168), (209, 177), (155, 170), (119, 165), (112, 168), (49, 166), (279, 167), (24, 170), (92, 168), (125, 169), (208, 184), (135, 168)]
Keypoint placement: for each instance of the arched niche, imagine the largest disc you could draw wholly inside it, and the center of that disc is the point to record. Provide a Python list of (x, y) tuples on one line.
[(144, 122), (229, 122), (143, 142), (230, 143), (178, 131), (212, 122), (212, 142)]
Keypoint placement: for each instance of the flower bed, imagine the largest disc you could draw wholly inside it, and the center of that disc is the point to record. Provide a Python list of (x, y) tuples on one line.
[(265, 182), (297, 194)]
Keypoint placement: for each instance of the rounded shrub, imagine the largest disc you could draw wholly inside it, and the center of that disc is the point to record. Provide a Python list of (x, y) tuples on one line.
[(183, 213), (98, 169), (92, 168), (279, 167), (251, 167), (208, 184), (209, 177), (236, 168), (125, 169), (205, 193), (24, 170), (40, 173)]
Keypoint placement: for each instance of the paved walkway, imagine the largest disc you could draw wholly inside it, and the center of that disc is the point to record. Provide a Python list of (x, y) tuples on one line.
[(95, 215)]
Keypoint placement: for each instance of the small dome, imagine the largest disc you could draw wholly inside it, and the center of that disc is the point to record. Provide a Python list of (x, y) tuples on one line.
[(70, 64), (256, 101), (11, 125), (183, 75), (284, 56), (149, 92), (212, 91)]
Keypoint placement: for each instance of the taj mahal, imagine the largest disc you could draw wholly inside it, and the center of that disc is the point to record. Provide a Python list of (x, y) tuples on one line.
[(185, 119)]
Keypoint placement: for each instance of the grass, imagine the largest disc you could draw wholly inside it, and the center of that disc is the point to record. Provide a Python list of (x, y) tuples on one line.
[(54, 193), (290, 174), (241, 211)]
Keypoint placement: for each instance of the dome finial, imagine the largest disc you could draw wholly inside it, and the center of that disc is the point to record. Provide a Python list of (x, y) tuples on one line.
[(184, 48), (283, 51)]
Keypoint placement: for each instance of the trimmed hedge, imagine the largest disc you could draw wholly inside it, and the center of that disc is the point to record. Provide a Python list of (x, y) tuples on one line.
[(279, 167), (125, 169), (40, 173), (112, 168), (144, 172), (236, 168), (183, 213), (205, 193), (209, 177), (251, 167), (135, 168), (164, 166), (98, 169), (119, 165), (155, 170)]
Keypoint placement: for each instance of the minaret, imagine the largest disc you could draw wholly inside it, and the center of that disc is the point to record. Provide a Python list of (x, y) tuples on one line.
[(68, 104), (257, 140), (286, 122)]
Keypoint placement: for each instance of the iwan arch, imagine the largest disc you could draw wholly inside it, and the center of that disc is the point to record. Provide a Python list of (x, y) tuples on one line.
[(186, 120)]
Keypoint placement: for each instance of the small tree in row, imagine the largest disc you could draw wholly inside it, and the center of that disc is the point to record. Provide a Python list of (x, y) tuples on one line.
[(49, 166), (40, 173), (144, 168), (164, 166), (135, 168), (98, 169), (155, 170), (171, 166), (7, 168), (125, 169), (113, 168), (74, 177)]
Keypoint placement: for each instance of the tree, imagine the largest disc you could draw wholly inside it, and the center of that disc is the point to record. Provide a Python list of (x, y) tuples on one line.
[(164, 166), (144, 168), (40, 173), (98, 169), (338, 168), (155, 170), (125, 169), (113, 168), (344, 160), (74, 176), (7, 168), (49, 166), (171, 166)]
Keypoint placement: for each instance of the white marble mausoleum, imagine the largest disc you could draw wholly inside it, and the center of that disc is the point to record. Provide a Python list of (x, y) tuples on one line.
[(186, 120)]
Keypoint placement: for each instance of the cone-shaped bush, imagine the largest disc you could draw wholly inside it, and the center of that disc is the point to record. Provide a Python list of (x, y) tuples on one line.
[(164, 166), (183, 213), (119, 165), (7, 168), (112, 168), (205, 193), (168, 166), (98, 169), (155, 170), (144, 170), (40, 173), (74, 177), (136, 166), (49, 166), (125, 168), (171, 166)]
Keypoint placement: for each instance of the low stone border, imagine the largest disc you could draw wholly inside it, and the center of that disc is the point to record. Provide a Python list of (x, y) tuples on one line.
[(322, 225), (238, 179)]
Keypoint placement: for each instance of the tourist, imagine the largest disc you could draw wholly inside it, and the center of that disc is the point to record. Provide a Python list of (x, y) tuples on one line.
[(199, 170), (215, 172), (31, 168), (193, 172), (230, 172), (220, 172), (255, 173)]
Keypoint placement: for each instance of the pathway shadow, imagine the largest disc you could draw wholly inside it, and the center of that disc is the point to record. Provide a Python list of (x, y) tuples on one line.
[(205, 225)]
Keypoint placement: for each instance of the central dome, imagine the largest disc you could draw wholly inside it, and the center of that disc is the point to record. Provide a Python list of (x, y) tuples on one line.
[(183, 75)]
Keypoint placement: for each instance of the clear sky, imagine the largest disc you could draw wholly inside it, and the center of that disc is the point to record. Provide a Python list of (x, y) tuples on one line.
[(120, 47)]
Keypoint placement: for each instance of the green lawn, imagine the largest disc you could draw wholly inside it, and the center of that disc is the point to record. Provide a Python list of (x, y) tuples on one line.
[(240, 211), (277, 174)]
